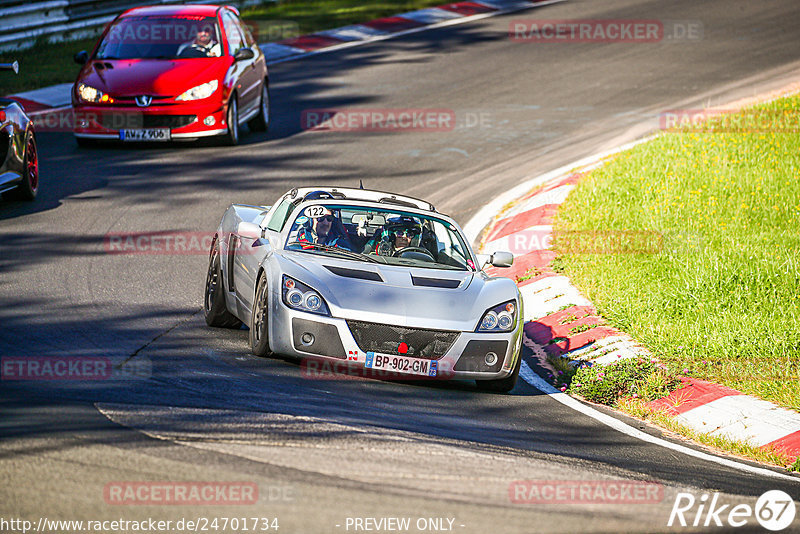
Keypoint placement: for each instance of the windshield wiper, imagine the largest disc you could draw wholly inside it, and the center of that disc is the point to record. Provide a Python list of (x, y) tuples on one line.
[(342, 251)]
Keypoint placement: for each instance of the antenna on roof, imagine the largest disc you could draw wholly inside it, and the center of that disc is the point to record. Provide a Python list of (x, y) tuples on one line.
[(360, 184)]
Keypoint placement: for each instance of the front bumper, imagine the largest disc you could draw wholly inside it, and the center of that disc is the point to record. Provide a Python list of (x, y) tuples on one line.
[(184, 121), (334, 341)]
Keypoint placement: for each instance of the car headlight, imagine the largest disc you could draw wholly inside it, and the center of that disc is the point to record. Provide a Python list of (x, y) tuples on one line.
[(90, 94), (204, 90), (501, 318), (299, 296)]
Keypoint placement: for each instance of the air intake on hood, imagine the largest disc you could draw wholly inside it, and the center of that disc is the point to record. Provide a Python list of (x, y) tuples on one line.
[(355, 273), (435, 282)]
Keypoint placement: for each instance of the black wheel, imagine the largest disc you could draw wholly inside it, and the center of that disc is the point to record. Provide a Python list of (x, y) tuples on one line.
[(231, 138), (259, 326), (214, 299), (29, 185), (503, 385), (260, 123)]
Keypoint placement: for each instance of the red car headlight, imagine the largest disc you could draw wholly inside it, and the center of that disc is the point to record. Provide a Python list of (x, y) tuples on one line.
[(88, 93), (199, 92)]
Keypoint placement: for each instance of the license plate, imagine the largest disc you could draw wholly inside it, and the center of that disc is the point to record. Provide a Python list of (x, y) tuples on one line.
[(401, 364), (149, 134)]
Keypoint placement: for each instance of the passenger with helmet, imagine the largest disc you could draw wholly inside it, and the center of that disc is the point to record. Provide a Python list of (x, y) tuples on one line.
[(397, 234)]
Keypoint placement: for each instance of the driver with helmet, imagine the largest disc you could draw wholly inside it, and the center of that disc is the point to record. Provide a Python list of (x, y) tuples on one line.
[(325, 229), (398, 233)]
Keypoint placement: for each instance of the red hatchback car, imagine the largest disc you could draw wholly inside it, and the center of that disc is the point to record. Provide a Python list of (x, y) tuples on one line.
[(162, 73)]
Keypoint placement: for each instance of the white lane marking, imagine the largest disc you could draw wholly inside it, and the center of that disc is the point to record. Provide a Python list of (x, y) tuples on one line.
[(527, 374), (54, 95), (354, 32), (548, 295), (744, 418), (555, 196), (444, 23), (430, 15), (276, 51)]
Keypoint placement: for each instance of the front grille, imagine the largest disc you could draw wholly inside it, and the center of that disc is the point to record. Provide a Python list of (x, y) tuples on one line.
[(124, 121), (386, 339)]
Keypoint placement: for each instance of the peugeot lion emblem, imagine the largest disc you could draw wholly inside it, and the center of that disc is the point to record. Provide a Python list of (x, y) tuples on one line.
[(143, 100)]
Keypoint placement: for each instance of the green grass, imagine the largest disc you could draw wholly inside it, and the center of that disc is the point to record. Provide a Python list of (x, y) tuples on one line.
[(529, 273), (795, 466), (637, 378), (44, 64), (720, 298), (48, 64)]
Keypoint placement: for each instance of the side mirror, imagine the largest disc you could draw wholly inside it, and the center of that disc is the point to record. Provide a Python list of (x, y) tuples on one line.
[(498, 259), (249, 230), (502, 259), (81, 58), (244, 53)]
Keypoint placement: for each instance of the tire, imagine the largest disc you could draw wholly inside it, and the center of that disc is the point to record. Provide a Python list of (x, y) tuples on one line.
[(260, 123), (29, 186), (503, 385), (231, 138), (214, 308), (259, 320)]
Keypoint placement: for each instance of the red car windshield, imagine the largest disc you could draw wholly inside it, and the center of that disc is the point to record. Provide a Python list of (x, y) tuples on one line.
[(161, 37)]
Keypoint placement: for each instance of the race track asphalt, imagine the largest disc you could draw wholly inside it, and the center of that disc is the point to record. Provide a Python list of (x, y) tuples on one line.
[(323, 451)]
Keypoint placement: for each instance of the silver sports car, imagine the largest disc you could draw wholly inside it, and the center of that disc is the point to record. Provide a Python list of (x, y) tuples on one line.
[(371, 280)]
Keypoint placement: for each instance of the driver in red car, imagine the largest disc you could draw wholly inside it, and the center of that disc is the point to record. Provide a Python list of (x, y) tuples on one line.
[(203, 45)]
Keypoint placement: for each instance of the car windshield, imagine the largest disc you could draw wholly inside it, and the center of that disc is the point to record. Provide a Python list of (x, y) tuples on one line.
[(381, 235), (161, 37)]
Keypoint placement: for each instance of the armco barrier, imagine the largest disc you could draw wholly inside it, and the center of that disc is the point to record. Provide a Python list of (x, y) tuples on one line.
[(23, 22)]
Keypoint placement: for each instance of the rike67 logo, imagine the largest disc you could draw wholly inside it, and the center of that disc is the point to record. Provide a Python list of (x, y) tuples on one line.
[(774, 510)]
